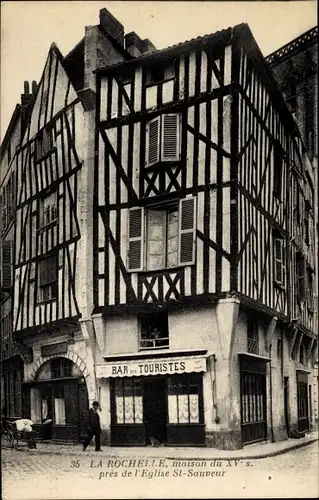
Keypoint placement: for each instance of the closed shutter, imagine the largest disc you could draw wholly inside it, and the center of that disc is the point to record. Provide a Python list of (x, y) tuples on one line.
[(6, 266), (153, 139), (301, 265), (170, 137), (187, 228), (136, 239), (279, 271)]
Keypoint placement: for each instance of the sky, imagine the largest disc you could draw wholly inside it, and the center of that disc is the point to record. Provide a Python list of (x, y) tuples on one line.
[(29, 27)]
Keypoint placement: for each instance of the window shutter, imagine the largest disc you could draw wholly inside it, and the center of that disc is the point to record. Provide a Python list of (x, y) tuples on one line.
[(170, 137), (302, 277), (48, 270), (7, 266), (279, 262), (136, 239), (153, 139), (187, 228)]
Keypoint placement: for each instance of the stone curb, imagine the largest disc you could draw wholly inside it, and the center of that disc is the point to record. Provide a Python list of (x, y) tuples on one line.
[(112, 455)]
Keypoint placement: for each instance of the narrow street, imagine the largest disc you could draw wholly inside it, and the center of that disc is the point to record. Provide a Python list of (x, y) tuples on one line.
[(25, 476)]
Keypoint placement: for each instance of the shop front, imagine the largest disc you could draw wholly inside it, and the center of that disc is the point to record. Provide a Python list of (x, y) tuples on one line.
[(156, 399), (57, 401)]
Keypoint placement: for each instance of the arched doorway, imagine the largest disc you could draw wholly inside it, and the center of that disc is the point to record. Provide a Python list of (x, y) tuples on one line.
[(59, 394)]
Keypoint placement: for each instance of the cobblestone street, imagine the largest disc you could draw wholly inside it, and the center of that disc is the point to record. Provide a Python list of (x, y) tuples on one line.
[(31, 476)]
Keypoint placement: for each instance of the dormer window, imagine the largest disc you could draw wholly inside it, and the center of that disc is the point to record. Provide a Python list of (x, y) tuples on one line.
[(163, 139)]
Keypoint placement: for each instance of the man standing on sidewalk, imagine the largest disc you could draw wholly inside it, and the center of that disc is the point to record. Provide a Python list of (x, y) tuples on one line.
[(94, 427)]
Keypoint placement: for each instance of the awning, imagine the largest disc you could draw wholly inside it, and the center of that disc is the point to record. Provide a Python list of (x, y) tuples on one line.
[(152, 366)]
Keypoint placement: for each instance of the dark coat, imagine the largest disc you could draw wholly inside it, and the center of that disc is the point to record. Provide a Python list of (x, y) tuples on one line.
[(94, 425)]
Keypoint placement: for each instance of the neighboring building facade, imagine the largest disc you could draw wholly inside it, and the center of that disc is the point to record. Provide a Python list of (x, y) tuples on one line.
[(11, 353), (195, 290), (295, 68)]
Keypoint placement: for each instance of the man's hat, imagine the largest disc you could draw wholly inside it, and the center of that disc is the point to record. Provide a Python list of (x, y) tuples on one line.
[(95, 403)]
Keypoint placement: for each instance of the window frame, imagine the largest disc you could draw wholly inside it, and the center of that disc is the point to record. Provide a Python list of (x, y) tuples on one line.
[(51, 285), (180, 385), (41, 149), (278, 170), (141, 319), (142, 237), (160, 159), (279, 240)]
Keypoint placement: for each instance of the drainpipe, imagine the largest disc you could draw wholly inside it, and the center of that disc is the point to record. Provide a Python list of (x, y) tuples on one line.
[(213, 384), (270, 395)]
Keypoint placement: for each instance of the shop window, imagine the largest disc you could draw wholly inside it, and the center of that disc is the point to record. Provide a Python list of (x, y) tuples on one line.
[(252, 335), (128, 401), (61, 367), (154, 331), (184, 399), (163, 139), (59, 405), (280, 261), (169, 236), (48, 278)]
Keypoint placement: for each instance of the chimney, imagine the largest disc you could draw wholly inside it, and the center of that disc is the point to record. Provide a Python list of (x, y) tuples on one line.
[(111, 26), (34, 87), (136, 46), (26, 96)]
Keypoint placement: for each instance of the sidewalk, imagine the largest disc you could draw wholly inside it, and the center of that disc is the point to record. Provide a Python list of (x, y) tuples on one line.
[(254, 451)]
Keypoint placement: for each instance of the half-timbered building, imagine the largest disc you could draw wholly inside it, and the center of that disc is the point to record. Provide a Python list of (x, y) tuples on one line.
[(199, 261), (52, 286)]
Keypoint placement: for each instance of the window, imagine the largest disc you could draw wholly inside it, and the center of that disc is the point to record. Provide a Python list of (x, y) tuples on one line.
[(48, 278), (252, 334), (48, 220), (154, 331), (6, 266), (291, 94), (307, 226), (128, 401), (310, 300), (278, 169), (280, 261), (7, 202), (184, 399), (300, 276), (61, 367), (163, 139), (158, 74), (12, 393), (302, 354), (169, 236), (44, 143)]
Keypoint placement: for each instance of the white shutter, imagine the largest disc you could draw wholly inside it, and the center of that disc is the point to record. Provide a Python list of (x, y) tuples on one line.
[(152, 141), (136, 239), (187, 230), (170, 150), (279, 261)]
